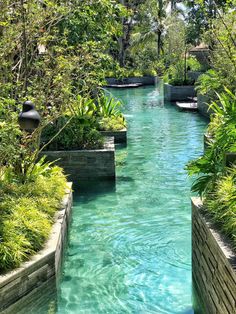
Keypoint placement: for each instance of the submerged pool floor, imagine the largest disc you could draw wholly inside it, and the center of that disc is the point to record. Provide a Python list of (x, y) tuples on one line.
[(130, 243)]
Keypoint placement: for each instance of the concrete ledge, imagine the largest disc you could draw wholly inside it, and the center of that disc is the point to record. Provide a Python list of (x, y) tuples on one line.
[(213, 265), (119, 136), (178, 93), (144, 80), (42, 269), (194, 75), (85, 164)]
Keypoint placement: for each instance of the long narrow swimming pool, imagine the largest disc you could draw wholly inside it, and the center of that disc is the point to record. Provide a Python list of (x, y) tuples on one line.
[(130, 243)]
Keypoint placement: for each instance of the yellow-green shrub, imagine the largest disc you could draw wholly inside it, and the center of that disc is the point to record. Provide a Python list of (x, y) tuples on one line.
[(26, 214)]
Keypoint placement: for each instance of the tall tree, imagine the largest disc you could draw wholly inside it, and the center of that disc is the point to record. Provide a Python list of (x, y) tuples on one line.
[(153, 19)]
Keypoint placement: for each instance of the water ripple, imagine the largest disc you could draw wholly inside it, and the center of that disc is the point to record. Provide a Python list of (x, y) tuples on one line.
[(130, 247)]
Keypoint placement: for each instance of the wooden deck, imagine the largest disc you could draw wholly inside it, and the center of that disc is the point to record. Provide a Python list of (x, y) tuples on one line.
[(191, 106)]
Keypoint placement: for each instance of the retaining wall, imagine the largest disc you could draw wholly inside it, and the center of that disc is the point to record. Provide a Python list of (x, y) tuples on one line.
[(85, 164), (23, 285), (194, 75), (119, 136), (213, 265), (178, 93)]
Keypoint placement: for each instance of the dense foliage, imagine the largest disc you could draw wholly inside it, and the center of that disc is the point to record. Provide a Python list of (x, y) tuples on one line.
[(215, 181), (58, 53), (27, 211), (79, 127), (54, 53)]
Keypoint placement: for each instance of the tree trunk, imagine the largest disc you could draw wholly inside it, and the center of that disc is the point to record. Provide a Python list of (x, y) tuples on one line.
[(159, 43)]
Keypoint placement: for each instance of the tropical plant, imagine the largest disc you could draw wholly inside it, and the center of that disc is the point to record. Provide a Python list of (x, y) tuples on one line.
[(177, 74), (27, 212), (208, 83), (154, 15), (108, 106), (211, 166), (221, 203), (112, 123)]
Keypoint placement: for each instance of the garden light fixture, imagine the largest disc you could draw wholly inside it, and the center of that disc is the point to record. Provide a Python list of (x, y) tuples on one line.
[(29, 118)]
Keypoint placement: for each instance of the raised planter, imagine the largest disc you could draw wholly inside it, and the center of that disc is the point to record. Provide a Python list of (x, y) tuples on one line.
[(213, 265), (86, 164), (144, 80), (194, 75), (25, 284), (119, 136), (178, 93)]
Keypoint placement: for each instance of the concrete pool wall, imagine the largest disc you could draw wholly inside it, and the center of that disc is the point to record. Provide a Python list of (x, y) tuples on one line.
[(213, 265)]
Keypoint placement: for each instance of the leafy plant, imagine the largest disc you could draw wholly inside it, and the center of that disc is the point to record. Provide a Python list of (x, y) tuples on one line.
[(208, 83), (221, 204), (108, 106), (176, 75), (27, 212), (211, 166), (75, 135), (115, 123)]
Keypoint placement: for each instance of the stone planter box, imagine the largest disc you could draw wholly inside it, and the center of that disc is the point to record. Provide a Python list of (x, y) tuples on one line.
[(86, 164), (119, 136), (178, 93), (144, 80), (24, 284), (194, 75), (213, 265)]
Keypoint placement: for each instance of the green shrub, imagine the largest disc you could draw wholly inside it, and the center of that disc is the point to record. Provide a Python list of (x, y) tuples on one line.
[(221, 204), (175, 75), (215, 182), (208, 83), (193, 64), (108, 106), (76, 135), (211, 166), (112, 123), (27, 212)]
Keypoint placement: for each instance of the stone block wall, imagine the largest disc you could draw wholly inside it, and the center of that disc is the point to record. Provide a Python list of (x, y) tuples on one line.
[(22, 286), (85, 164), (178, 93), (194, 75), (119, 136), (213, 266)]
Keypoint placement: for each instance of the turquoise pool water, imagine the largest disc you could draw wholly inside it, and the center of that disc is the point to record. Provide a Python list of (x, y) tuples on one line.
[(130, 243)]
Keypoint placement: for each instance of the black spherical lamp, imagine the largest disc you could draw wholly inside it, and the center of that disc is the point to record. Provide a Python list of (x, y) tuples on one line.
[(29, 118)]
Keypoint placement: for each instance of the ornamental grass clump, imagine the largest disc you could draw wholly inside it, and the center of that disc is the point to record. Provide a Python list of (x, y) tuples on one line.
[(27, 213), (221, 204)]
